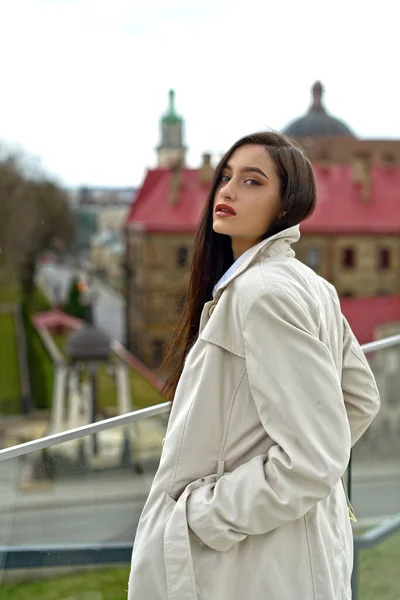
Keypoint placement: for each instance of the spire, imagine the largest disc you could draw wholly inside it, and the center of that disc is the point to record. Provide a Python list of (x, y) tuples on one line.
[(171, 151), (171, 117), (317, 93), (171, 95)]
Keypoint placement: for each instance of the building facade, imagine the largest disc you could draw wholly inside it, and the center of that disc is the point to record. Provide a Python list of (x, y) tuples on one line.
[(352, 240)]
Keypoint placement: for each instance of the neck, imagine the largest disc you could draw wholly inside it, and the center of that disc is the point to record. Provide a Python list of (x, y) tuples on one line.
[(241, 245)]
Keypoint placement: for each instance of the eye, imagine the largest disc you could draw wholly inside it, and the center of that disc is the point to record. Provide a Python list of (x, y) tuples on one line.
[(252, 182), (224, 178)]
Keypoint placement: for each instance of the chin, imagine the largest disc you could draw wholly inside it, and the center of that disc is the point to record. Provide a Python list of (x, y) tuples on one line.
[(220, 227)]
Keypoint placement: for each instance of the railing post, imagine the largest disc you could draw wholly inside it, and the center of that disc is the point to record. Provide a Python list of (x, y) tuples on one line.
[(354, 576), (349, 477)]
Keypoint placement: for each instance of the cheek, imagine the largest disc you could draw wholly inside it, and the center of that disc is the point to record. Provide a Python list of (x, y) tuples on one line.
[(260, 216), (265, 210)]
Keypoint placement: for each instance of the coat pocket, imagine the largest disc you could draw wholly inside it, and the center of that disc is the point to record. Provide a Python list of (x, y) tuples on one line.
[(180, 543), (179, 568)]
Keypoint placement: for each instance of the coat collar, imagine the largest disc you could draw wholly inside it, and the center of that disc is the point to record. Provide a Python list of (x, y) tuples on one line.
[(276, 244)]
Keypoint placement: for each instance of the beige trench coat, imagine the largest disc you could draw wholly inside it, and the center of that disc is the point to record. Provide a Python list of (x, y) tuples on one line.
[(247, 503)]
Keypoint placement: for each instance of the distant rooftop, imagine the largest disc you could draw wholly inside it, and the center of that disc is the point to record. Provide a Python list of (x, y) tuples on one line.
[(99, 195), (317, 122)]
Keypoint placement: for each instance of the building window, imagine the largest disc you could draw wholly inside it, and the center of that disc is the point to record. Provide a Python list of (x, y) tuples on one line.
[(128, 269), (384, 258), (182, 256), (158, 353), (389, 160), (349, 258), (313, 257)]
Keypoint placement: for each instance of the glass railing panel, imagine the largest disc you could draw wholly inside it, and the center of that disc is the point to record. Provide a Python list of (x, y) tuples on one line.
[(68, 514), (71, 500), (376, 457)]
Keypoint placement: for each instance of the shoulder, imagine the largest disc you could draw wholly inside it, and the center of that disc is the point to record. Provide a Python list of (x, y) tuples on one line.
[(281, 278)]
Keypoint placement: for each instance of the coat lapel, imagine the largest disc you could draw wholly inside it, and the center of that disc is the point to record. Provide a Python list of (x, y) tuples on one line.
[(274, 245)]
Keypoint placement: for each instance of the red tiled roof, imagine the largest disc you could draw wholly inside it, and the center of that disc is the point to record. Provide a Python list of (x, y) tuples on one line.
[(340, 208), (159, 208), (365, 314)]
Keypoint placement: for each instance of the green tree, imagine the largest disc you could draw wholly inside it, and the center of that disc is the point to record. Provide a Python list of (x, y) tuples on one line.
[(35, 216), (73, 305)]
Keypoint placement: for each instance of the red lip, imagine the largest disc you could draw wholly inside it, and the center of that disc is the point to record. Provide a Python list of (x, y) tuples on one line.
[(223, 207)]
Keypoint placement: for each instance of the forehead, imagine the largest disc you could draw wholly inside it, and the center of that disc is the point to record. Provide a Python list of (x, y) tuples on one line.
[(250, 155)]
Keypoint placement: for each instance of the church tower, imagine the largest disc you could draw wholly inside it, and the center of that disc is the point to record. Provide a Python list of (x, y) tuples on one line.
[(171, 151)]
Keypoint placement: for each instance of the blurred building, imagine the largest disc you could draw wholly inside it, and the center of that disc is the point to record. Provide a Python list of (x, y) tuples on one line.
[(100, 245), (327, 139), (101, 214), (100, 209), (353, 238)]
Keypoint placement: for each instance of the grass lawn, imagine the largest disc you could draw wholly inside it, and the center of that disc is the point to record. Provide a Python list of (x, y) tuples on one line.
[(143, 394), (59, 340), (9, 293), (380, 580), (40, 369), (103, 584), (380, 571), (10, 385), (39, 302)]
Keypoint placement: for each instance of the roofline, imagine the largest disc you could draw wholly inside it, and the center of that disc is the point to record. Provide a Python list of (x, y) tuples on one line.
[(371, 232), (162, 228), (141, 227)]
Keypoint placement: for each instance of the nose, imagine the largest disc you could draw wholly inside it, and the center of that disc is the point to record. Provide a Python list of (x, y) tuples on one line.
[(227, 191)]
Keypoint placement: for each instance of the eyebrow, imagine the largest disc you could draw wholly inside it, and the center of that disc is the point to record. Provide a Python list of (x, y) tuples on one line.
[(249, 170)]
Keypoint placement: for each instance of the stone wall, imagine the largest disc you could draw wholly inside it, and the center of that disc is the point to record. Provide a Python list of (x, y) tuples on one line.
[(157, 279), (365, 278), (156, 287)]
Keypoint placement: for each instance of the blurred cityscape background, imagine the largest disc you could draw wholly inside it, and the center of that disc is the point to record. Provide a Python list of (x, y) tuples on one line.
[(112, 120)]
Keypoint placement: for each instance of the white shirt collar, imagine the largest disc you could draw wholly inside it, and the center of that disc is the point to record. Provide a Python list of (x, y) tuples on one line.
[(232, 270), (288, 236)]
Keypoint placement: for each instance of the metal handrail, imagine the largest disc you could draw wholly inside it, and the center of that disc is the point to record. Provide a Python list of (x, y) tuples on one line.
[(145, 413), (388, 342), (378, 534), (79, 432)]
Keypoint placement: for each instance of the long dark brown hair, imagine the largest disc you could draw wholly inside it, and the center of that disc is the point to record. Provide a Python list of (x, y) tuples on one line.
[(212, 253)]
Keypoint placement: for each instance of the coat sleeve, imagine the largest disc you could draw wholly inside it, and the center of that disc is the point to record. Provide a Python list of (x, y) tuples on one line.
[(360, 392), (297, 391)]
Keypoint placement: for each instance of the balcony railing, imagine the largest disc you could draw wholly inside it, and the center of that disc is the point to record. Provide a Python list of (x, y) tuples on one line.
[(68, 514)]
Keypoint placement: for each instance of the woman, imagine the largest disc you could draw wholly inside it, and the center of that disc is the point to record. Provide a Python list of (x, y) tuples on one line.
[(271, 390)]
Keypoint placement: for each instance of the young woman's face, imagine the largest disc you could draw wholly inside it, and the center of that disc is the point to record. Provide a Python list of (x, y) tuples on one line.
[(247, 199)]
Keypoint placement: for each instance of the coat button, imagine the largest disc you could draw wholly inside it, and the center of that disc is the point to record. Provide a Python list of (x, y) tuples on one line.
[(211, 310)]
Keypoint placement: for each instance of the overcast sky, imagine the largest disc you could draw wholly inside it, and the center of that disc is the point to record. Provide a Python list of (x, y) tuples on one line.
[(84, 82)]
